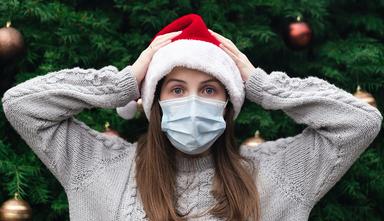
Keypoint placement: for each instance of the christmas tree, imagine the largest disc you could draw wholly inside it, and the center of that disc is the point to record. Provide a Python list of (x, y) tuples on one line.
[(346, 48)]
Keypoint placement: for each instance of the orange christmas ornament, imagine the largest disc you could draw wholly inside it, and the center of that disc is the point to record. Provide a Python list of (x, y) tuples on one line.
[(110, 132), (254, 141), (365, 96)]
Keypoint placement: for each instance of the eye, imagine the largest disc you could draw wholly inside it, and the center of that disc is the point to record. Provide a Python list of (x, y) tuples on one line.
[(177, 90), (209, 90)]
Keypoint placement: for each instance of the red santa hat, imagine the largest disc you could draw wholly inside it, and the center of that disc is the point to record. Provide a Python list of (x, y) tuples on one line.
[(195, 47)]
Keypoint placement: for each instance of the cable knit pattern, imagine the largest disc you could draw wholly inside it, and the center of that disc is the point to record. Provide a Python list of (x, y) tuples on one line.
[(340, 128), (98, 172)]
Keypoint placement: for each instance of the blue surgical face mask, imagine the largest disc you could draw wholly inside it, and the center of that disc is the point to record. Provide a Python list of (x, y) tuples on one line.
[(192, 124)]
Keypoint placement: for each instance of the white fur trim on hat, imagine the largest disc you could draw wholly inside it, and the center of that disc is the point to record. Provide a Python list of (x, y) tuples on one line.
[(195, 54)]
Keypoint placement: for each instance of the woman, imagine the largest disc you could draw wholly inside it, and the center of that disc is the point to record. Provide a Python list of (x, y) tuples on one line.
[(188, 166)]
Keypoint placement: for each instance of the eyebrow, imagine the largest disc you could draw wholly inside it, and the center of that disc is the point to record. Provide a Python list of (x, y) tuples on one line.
[(203, 82)]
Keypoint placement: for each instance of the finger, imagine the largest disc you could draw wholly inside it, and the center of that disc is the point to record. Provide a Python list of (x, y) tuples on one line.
[(163, 38), (227, 42), (168, 35), (232, 48), (220, 36), (210, 30), (159, 41), (230, 53), (154, 47), (162, 44)]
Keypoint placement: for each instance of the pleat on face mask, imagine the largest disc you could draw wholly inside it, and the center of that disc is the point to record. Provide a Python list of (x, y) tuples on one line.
[(193, 123)]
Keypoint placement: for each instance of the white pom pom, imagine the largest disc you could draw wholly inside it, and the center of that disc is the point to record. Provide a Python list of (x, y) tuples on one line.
[(128, 111)]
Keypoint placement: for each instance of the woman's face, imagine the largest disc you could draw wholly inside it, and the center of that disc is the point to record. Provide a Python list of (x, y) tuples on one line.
[(183, 82)]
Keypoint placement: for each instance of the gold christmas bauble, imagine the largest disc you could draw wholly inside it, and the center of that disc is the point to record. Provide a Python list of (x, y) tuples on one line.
[(254, 141), (11, 44), (140, 105), (15, 210), (365, 96), (110, 132)]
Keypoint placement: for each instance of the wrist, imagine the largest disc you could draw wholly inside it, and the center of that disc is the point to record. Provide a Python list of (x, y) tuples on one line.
[(132, 70), (247, 75)]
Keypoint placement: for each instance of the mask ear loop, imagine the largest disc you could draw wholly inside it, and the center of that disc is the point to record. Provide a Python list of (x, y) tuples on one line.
[(226, 102), (225, 105)]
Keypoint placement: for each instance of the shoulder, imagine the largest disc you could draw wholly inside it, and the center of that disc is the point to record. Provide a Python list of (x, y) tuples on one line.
[(109, 154)]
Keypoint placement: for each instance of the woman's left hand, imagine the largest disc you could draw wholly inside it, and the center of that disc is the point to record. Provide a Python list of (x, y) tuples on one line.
[(241, 60)]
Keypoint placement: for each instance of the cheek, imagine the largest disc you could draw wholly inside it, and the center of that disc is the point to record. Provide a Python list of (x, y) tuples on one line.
[(164, 94), (224, 94)]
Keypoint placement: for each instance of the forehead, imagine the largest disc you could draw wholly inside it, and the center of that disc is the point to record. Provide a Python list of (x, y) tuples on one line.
[(189, 75)]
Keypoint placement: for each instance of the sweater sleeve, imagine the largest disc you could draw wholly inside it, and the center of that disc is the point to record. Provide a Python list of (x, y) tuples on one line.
[(339, 128), (42, 111)]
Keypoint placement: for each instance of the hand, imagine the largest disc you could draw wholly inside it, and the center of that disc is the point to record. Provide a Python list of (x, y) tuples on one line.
[(140, 67), (242, 62)]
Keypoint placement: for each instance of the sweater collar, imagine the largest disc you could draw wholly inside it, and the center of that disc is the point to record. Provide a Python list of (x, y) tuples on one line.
[(189, 164)]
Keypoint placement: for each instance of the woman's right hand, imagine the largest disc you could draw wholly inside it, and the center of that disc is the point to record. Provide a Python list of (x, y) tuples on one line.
[(139, 68)]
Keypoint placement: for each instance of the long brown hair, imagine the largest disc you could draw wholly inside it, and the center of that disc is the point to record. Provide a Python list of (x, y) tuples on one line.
[(233, 186)]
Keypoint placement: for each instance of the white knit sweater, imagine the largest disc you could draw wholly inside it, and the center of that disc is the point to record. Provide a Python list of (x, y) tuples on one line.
[(97, 171)]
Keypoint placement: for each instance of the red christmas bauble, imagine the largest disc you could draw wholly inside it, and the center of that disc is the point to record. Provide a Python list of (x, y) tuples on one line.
[(298, 34)]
